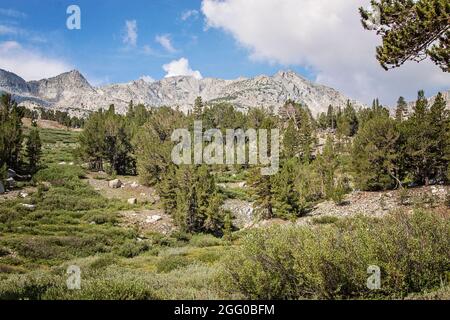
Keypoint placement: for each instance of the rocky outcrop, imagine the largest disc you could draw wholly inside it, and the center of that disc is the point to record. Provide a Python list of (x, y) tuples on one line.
[(71, 92)]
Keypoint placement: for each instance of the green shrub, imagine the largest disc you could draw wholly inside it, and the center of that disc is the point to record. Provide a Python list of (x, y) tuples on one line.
[(205, 240), (4, 251), (173, 262), (331, 261), (59, 173), (325, 220), (132, 249)]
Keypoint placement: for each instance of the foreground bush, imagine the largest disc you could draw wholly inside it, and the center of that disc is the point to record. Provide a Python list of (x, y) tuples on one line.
[(331, 262)]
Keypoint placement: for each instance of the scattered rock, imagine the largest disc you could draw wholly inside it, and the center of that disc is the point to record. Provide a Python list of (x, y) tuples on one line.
[(134, 185), (28, 206), (11, 183), (153, 219), (243, 213), (115, 184), (132, 201)]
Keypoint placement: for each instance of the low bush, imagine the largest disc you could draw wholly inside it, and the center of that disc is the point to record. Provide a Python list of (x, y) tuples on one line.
[(132, 248), (331, 261), (173, 262), (205, 240), (325, 220)]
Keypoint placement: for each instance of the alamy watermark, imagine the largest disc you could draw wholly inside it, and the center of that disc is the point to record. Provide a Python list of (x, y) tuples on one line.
[(211, 147), (73, 281), (73, 22), (374, 280)]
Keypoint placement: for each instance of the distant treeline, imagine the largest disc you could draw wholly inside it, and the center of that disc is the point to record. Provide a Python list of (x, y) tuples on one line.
[(62, 117), (364, 149)]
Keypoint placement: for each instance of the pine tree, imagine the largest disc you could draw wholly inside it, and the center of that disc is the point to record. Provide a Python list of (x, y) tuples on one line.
[(419, 141), (438, 125), (33, 148), (410, 30), (262, 189), (375, 155), (331, 118), (92, 141), (402, 108), (285, 195), (291, 141), (11, 136), (198, 108)]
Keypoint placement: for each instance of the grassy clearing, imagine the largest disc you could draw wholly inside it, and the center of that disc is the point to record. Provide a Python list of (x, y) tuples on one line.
[(72, 224)]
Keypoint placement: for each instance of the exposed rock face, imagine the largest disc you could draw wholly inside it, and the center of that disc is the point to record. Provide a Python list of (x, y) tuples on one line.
[(115, 184), (70, 91)]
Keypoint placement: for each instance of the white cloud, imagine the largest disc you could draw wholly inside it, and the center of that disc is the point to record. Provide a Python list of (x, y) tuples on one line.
[(29, 64), (147, 79), (131, 33), (12, 13), (180, 68), (189, 14), (7, 30), (325, 36), (165, 42)]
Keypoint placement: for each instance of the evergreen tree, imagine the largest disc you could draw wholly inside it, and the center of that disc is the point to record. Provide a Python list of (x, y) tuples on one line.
[(262, 190), (402, 108), (419, 141), (410, 30), (198, 108), (291, 141), (438, 125), (33, 148), (92, 141), (331, 118), (10, 132), (284, 193), (375, 155)]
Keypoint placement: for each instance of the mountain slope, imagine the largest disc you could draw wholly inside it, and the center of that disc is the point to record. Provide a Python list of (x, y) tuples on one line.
[(71, 91)]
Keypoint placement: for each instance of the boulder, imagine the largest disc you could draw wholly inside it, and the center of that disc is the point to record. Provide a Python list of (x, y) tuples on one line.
[(132, 201), (10, 183), (115, 184), (23, 194), (2, 188), (11, 173), (153, 219), (134, 185), (28, 206)]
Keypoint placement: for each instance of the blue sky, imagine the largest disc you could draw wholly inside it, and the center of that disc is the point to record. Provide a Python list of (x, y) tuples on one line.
[(98, 49), (120, 41)]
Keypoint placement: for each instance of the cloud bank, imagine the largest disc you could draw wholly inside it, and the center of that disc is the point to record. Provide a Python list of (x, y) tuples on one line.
[(324, 36), (28, 63)]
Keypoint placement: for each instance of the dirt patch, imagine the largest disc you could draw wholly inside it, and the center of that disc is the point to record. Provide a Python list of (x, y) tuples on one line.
[(129, 189), (148, 221), (377, 204), (14, 194)]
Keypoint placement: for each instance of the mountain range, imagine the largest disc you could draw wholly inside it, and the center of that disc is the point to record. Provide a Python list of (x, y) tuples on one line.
[(71, 92)]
